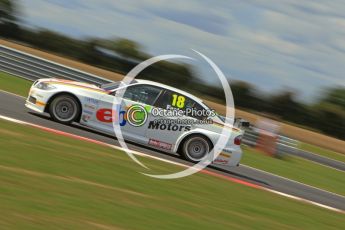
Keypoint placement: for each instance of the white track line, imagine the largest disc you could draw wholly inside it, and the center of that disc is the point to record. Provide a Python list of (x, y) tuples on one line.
[(13, 94), (328, 166), (168, 161), (304, 200), (326, 156), (271, 174)]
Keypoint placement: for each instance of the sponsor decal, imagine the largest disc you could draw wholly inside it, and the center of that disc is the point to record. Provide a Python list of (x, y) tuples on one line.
[(91, 103), (221, 161), (225, 155), (109, 116), (136, 115), (89, 106), (90, 100), (160, 144), (88, 112), (168, 127), (227, 150)]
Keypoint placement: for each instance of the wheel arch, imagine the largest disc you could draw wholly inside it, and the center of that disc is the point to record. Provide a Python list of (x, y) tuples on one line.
[(46, 109), (185, 137)]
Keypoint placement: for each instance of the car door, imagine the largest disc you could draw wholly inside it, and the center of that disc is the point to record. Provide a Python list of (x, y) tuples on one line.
[(164, 135), (138, 94)]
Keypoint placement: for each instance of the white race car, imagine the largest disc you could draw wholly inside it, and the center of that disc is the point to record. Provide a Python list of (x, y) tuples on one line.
[(150, 113)]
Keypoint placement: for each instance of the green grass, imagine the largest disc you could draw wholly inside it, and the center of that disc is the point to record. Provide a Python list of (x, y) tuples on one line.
[(323, 152), (49, 181), (14, 84), (298, 169)]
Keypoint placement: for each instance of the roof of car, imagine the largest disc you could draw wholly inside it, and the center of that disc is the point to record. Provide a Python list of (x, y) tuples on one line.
[(140, 81)]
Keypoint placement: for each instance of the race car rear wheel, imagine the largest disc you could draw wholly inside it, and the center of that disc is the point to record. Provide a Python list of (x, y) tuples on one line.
[(64, 109), (195, 148)]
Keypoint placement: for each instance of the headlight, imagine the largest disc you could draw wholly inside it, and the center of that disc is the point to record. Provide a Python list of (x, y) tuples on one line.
[(44, 86)]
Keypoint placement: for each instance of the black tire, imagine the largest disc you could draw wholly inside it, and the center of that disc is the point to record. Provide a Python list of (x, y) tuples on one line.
[(64, 109), (195, 148)]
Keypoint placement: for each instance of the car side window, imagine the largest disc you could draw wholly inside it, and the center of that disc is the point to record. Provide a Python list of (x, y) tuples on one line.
[(178, 101), (141, 93)]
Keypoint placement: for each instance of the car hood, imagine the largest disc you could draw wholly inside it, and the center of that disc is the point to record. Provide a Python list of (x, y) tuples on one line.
[(69, 82)]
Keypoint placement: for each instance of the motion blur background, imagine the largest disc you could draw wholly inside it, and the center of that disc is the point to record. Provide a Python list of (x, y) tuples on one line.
[(284, 63), (283, 60)]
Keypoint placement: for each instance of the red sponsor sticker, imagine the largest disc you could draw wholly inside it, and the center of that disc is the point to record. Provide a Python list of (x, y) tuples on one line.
[(221, 161), (160, 144), (105, 115), (109, 116)]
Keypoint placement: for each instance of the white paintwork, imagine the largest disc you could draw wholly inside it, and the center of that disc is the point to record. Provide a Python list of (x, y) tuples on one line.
[(93, 99)]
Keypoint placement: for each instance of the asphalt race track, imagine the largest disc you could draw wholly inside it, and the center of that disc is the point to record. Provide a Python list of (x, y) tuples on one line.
[(13, 106), (320, 159)]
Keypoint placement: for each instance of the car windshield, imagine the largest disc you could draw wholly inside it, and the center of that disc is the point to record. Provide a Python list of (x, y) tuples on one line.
[(114, 85)]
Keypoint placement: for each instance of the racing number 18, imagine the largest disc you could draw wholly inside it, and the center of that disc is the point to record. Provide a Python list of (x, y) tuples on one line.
[(178, 101)]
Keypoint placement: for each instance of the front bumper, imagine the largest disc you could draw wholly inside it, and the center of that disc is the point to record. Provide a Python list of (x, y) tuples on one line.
[(36, 101), (35, 107)]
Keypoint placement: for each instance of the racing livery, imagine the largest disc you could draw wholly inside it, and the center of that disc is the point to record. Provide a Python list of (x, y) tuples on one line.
[(149, 113)]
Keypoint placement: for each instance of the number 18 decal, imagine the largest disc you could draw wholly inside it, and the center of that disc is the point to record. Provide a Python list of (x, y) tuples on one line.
[(178, 101)]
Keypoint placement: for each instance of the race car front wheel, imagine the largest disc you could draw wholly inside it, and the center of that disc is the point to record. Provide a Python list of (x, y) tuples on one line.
[(64, 109), (195, 148)]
